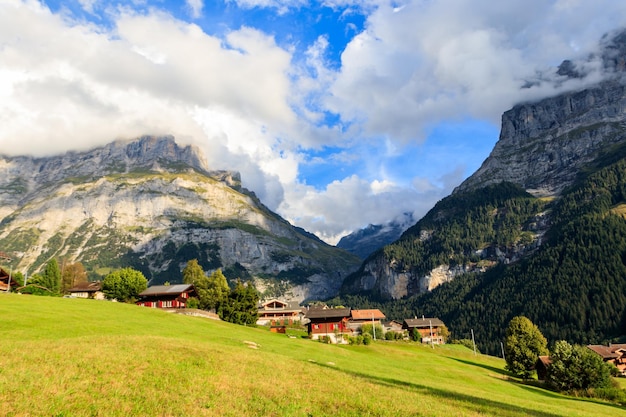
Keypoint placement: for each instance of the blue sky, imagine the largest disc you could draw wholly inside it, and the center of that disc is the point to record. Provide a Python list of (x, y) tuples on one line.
[(337, 113)]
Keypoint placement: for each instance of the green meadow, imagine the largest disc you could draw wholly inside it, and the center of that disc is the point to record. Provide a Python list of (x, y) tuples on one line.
[(73, 357)]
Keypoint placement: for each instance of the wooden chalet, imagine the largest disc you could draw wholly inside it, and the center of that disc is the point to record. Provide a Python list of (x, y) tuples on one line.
[(393, 326), (92, 290), (329, 322), (167, 296), (613, 353), (277, 312), (6, 281), (360, 317), (428, 328), (541, 366)]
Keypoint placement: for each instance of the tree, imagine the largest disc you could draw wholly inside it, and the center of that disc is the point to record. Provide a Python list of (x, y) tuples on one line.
[(124, 284), (444, 332), (242, 305), (72, 274), (523, 345), (373, 329), (576, 367), (217, 291), (193, 273), (50, 279), (212, 290)]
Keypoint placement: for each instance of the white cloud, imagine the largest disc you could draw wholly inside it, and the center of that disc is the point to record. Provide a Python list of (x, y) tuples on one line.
[(67, 84), (428, 62), (347, 205), (196, 7), (281, 6)]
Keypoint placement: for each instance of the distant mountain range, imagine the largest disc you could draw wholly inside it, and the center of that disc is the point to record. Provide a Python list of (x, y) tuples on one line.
[(538, 230), (367, 240), (153, 205)]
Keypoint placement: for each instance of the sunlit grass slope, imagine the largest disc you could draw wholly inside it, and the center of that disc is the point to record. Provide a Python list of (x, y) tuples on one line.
[(70, 357)]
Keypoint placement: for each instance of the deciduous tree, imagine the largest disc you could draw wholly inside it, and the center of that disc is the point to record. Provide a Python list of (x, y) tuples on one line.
[(575, 367), (212, 290), (72, 273), (523, 345), (124, 284)]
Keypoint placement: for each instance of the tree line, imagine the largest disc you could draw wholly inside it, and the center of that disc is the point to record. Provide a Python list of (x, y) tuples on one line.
[(238, 304)]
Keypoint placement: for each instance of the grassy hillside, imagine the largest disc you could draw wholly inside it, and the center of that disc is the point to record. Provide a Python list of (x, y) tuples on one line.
[(70, 357)]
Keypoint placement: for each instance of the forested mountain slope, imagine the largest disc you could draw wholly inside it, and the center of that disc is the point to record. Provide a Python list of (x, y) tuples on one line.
[(538, 230), (573, 287)]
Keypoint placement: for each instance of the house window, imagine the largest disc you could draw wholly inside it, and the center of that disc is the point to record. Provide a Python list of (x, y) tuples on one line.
[(316, 326)]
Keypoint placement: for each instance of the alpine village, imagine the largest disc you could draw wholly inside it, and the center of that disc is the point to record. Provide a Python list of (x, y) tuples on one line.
[(135, 280)]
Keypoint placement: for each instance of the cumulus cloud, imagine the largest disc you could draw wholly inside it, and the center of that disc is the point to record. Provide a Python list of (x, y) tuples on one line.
[(427, 62), (67, 83)]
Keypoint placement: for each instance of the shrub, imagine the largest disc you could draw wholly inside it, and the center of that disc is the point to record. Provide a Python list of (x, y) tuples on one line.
[(367, 339), (193, 303), (416, 336), (371, 330)]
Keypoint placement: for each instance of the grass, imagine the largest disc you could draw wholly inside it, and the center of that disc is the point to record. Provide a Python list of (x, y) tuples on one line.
[(73, 357)]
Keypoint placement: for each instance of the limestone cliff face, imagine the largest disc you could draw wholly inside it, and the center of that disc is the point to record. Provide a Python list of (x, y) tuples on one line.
[(154, 205), (543, 145)]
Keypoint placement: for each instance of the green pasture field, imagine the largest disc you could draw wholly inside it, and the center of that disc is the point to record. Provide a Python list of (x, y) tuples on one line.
[(74, 357)]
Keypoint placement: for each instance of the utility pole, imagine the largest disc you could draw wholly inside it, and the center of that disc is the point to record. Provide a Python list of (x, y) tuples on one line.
[(373, 326), (430, 322), (473, 342)]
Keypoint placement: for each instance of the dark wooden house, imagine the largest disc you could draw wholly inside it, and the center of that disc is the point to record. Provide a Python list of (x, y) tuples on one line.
[(541, 366), (428, 328), (6, 281), (167, 296), (329, 322), (91, 290)]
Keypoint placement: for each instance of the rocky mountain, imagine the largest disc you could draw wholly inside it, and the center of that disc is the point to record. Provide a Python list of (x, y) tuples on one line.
[(544, 147), (365, 241), (539, 230), (154, 205)]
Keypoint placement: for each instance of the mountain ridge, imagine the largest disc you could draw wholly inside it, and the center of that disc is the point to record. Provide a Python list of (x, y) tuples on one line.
[(153, 205)]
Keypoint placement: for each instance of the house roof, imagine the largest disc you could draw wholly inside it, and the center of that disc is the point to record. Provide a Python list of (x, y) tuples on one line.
[(371, 314), (165, 290), (545, 360), (425, 322), (286, 305), (608, 352), (327, 313), (86, 287)]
